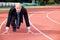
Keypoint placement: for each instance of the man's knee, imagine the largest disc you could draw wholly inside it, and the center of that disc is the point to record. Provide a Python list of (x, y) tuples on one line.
[(13, 23)]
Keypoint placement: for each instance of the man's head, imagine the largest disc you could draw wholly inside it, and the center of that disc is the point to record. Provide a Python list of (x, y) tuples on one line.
[(18, 7)]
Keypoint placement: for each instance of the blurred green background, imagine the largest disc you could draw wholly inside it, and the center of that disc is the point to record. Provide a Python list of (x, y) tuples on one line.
[(8, 3)]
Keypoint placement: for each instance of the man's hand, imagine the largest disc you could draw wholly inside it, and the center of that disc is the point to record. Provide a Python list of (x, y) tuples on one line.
[(6, 32), (29, 31)]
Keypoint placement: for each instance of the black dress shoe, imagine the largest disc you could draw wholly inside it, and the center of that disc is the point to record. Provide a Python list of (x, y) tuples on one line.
[(14, 30), (18, 27)]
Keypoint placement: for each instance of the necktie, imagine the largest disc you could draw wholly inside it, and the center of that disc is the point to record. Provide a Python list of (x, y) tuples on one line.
[(18, 19)]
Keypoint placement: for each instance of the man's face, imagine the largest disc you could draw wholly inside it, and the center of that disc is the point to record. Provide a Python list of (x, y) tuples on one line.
[(18, 8)]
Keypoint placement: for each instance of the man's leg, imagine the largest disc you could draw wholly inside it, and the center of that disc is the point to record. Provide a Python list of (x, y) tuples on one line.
[(18, 24), (13, 24)]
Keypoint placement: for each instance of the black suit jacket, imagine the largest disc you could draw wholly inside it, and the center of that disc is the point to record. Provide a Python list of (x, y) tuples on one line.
[(13, 14)]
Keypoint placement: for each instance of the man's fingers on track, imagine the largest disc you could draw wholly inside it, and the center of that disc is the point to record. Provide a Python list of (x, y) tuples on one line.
[(30, 32), (6, 32)]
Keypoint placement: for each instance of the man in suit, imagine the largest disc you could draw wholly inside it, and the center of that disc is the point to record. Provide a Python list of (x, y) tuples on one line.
[(15, 18)]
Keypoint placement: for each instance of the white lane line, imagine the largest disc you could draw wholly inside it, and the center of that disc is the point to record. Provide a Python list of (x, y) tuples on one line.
[(37, 12), (47, 15), (38, 29), (2, 23)]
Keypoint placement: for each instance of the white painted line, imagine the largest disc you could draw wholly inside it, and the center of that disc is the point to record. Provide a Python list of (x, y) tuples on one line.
[(33, 12), (2, 23), (39, 30), (47, 15)]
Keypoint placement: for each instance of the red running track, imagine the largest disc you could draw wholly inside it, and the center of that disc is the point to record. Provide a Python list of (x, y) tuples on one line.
[(45, 25)]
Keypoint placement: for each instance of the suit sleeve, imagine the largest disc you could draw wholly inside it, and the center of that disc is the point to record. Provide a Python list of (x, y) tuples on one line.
[(26, 18), (9, 18)]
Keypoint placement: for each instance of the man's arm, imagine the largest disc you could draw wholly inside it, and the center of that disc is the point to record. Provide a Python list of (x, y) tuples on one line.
[(9, 19), (26, 20), (8, 22)]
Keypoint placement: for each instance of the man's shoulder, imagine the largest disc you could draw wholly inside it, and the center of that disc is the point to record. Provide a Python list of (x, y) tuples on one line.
[(23, 8), (12, 8)]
